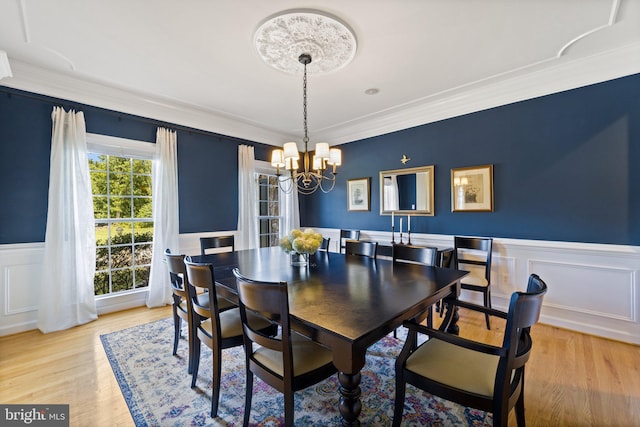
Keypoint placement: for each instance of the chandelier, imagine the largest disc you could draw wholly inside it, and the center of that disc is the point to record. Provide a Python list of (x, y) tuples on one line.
[(312, 176), (284, 42)]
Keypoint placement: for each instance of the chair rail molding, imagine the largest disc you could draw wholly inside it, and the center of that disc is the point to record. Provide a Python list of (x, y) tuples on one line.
[(593, 288)]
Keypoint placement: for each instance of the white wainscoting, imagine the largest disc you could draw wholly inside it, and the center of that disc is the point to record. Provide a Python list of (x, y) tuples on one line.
[(593, 288), (21, 278)]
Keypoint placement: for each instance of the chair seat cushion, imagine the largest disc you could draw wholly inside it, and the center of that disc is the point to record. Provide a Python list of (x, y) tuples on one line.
[(307, 356), (455, 366), (474, 279), (231, 325)]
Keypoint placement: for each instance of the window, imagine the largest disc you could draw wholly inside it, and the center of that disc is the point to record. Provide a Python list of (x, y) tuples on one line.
[(122, 202), (269, 212)]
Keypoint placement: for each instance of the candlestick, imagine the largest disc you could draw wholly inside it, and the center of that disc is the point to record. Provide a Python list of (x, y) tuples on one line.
[(409, 223), (400, 226), (393, 241)]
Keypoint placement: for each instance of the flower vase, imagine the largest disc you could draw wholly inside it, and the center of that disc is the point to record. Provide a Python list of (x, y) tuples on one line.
[(299, 259)]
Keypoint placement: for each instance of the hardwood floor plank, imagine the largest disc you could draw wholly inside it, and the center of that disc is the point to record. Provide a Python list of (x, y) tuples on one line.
[(70, 367), (572, 379)]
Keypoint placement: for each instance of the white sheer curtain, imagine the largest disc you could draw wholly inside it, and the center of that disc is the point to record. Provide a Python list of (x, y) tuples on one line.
[(391, 198), (67, 293), (290, 211), (165, 215), (247, 205)]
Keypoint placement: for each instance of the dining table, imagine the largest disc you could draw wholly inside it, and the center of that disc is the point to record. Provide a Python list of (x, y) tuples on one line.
[(344, 302)]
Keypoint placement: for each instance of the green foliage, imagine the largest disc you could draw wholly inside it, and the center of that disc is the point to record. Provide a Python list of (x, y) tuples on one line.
[(121, 188), (118, 184)]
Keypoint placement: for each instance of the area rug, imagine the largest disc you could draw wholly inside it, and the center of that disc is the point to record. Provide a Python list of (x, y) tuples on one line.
[(156, 387)]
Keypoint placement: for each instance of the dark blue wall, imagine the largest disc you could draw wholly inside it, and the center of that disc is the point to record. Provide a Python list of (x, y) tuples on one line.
[(207, 165), (406, 192), (566, 168)]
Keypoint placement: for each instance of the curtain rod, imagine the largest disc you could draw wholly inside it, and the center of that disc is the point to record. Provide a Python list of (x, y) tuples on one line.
[(77, 106)]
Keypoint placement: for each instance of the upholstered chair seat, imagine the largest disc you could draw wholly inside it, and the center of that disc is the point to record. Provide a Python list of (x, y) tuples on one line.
[(474, 280), (231, 325), (455, 366), (307, 356)]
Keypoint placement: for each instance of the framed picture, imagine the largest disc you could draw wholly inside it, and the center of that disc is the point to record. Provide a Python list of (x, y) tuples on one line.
[(359, 194), (472, 189)]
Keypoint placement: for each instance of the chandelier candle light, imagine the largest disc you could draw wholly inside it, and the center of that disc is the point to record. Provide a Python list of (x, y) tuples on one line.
[(321, 44)]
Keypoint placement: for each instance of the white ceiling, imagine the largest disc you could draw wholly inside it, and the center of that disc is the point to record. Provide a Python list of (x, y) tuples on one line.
[(193, 62)]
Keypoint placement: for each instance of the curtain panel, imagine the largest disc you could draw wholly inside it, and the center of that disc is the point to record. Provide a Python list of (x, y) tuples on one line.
[(67, 292), (247, 203), (165, 215)]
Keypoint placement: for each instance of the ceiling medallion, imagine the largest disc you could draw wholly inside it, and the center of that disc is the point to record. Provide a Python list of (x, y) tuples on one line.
[(282, 38)]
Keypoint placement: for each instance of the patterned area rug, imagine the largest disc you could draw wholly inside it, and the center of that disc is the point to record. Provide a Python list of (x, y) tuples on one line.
[(156, 386)]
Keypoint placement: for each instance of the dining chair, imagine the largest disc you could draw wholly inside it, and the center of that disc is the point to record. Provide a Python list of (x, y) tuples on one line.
[(324, 246), (214, 242), (347, 235), (288, 362), (181, 306), (474, 254), (217, 329), (361, 248), (424, 255), (473, 374)]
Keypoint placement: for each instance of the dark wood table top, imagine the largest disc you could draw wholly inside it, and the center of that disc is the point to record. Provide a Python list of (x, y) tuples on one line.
[(355, 298), (344, 302)]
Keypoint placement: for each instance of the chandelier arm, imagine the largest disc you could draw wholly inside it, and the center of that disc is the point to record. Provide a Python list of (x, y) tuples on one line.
[(330, 179), (281, 181)]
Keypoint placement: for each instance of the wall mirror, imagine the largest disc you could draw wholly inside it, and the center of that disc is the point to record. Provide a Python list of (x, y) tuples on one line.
[(407, 191)]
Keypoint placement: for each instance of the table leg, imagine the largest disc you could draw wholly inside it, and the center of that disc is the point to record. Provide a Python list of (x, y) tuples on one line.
[(450, 322), (453, 327), (350, 404)]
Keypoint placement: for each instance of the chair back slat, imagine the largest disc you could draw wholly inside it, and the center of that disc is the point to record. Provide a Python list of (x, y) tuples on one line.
[(347, 235), (361, 248), (216, 242), (417, 254), (324, 246), (177, 273)]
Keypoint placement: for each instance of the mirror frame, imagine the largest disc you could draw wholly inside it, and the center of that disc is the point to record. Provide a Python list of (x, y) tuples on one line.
[(424, 212)]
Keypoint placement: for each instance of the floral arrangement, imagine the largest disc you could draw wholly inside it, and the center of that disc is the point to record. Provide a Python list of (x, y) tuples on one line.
[(303, 242)]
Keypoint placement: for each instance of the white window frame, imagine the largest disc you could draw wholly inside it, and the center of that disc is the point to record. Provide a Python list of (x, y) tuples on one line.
[(122, 147), (265, 168)]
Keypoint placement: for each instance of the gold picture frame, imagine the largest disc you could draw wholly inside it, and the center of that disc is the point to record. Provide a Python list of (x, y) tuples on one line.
[(472, 189), (359, 194)]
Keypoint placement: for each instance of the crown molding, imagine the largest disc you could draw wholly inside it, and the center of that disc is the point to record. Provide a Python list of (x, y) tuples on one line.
[(554, 75), (547, 77), (58, 85)]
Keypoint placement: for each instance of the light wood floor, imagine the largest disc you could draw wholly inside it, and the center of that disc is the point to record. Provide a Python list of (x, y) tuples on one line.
[(572, 379)]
